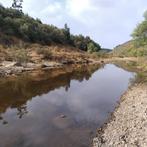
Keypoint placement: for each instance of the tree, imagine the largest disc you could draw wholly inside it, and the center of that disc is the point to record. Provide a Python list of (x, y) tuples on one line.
[(92, 48), (67, 33), (17, 4), (145, 15), (18, 24), (140, 32)]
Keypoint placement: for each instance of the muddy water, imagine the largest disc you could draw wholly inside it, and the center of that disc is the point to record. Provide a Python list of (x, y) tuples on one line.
[(60, 108)]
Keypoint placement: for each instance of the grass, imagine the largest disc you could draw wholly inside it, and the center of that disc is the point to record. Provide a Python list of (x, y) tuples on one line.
[(129, 49), (47, 54)]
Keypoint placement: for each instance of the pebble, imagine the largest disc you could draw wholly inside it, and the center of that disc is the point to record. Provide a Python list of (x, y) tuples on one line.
[(128, 127)]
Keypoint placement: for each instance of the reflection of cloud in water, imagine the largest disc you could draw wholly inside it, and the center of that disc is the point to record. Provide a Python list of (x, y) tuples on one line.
[(86, 105), (91, 100)]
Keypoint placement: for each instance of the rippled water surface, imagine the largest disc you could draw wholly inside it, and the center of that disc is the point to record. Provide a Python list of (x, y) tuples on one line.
[(60, 108)]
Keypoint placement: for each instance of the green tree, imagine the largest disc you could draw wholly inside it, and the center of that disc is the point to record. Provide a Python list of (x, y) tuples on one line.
[(17, 4), (140, 32), (18, 24), (92, 48), (145, 15), (67, 32)]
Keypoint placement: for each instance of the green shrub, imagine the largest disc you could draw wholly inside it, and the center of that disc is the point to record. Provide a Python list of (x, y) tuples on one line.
[(47, 54), (19, 56)]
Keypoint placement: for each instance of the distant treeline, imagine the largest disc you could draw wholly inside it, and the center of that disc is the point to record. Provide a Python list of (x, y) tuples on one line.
[(16, 23)]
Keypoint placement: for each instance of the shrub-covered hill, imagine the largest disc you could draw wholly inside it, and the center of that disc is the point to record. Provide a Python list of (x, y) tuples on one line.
[(17, 24), (138, 45), (129, 49)]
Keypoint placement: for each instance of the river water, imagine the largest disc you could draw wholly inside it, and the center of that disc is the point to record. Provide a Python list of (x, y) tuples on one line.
[(59, 108)]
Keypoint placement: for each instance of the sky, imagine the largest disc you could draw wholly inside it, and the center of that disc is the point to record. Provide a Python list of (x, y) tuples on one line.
[(108, 22)]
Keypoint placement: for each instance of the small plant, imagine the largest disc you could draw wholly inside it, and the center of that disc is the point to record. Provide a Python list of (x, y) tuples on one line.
[(20, 56), (45, 52)]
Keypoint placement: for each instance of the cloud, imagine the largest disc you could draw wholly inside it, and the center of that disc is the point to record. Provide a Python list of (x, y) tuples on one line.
[(6, 3), (77, 8), (52, 9), (109, 22)]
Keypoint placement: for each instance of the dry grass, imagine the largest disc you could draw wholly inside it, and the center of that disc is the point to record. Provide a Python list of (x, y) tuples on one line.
[(22, 52)]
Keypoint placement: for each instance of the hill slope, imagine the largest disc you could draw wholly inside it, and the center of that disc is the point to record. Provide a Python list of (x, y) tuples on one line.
[(17, 24), (27, 44), (129, 49), (138, 46)]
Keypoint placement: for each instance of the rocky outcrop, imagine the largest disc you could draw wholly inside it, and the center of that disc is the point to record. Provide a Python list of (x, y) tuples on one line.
[(14, 68)]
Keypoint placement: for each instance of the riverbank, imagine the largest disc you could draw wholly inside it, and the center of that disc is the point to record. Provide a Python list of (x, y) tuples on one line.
[(128, 125), (14, 61), (12, 68), (8, 68)]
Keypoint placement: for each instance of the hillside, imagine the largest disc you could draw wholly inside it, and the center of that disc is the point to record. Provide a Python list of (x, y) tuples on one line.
[(129, 49), (27, 44), (137, 47), (14, 23)]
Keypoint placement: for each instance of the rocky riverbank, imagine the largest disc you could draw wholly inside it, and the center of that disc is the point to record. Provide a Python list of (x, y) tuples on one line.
[(128, 126), (21, 56), (9, 68), (13, 68)]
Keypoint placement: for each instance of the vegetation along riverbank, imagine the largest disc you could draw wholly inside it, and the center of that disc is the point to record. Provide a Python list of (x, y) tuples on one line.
[(29, 45), (128, 125)]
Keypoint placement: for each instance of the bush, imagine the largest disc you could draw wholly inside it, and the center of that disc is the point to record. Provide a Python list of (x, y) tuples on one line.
[(92, 47), (20, 56), (45, 52)]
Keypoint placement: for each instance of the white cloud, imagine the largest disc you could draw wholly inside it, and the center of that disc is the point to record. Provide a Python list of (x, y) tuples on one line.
[(52, 9), (77, 8), (6, 3), (109, 22)]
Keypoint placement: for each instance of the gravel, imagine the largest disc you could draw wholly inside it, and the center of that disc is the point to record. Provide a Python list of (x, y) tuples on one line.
[(128, 126)]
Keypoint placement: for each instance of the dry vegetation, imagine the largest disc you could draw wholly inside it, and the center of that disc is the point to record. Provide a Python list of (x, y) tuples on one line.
[(36, 53)]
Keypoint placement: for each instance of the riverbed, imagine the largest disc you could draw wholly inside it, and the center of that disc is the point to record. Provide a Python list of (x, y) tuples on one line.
[(59, 108)]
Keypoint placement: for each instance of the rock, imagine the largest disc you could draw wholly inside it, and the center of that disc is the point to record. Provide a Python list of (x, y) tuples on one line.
[(67, 62), (96, 142), (17, 70), (28, 69), (64, 62), (62, 116), (51, 65), (8, 72), (29, 65), (47, 64), (128, 124), (5, 122), (7, 64)]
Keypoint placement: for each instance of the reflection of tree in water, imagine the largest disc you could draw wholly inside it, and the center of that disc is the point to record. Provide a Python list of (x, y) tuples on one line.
[(22, 110), (15, 93), (83, 73), (3, 121)]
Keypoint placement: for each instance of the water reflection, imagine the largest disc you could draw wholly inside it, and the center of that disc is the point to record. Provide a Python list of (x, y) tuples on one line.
[(58, 108), (15, 92)]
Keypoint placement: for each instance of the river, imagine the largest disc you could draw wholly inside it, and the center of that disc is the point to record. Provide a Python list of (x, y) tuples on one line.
[(59, 108)]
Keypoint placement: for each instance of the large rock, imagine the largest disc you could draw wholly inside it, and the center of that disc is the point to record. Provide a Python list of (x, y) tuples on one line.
[(50, 64), (8, 64)]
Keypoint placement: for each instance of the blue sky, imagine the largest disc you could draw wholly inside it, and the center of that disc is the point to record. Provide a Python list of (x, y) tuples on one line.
[(108, 22)]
